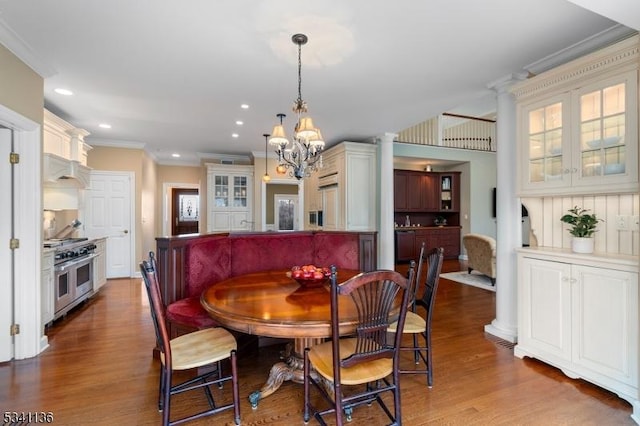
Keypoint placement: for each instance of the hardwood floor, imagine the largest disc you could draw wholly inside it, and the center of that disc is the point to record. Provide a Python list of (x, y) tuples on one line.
[(99, 370)]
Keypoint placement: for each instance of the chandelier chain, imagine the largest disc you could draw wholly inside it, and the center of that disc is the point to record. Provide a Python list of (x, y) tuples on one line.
[(304, 155)]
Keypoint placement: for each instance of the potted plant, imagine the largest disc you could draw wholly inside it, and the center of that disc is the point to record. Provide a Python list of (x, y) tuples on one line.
[(440, 221), (583, 225)]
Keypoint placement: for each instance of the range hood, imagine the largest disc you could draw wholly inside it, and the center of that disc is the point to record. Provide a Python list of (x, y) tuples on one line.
[(58, 171)]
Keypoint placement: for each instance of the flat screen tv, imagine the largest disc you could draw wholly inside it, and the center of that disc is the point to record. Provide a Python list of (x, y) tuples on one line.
[(525, 212), (493, 202)]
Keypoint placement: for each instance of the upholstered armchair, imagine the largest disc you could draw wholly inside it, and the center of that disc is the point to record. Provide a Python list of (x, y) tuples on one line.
[(481, 252)]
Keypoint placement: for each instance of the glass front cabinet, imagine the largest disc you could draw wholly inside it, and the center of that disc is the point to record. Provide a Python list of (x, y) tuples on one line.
[(229, 195), (581, 137)]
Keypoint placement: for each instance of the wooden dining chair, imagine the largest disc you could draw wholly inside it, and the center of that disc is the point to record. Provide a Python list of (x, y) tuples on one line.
[(418, 321), (203, 349), (355, 370)]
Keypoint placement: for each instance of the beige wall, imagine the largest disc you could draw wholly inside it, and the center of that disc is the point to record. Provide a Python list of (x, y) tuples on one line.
[(180, 176), (148, 202), (126, 160), (21, 88), (150, 179)]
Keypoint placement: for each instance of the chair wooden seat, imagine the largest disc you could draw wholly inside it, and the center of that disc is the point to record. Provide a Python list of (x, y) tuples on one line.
[(414, 323), (201, 348), (321, 357)]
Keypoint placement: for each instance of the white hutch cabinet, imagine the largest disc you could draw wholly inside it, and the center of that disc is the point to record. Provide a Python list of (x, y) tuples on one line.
[(578, 125), (229, 197), (578, 137), (580, 313)]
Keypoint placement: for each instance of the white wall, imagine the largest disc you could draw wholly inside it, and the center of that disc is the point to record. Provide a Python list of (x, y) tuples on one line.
[(545, 216)]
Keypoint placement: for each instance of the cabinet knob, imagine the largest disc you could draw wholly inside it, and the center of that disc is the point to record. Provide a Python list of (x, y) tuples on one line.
[(565, 279)]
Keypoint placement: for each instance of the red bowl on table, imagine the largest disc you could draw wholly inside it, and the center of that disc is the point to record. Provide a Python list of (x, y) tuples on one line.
[(309, 275)]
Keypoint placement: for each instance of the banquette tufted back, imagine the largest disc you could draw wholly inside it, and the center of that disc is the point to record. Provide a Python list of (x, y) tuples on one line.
[(214, 259)]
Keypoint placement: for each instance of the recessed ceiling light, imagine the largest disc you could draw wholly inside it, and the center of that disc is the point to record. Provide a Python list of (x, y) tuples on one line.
[(244, 106), (65, 92), (105, 125), (175, 155), (234, 135), (239, 123)]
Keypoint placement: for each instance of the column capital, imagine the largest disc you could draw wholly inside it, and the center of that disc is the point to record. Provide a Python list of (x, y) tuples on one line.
[(385, 137), (503, 84)]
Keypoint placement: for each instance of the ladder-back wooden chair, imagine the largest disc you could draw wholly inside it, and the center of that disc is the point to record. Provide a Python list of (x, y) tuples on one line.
[(355, 370), (418, 321), (204, 348)]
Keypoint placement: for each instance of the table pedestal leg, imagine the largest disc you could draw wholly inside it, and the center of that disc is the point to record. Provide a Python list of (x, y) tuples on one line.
[(291, 368)]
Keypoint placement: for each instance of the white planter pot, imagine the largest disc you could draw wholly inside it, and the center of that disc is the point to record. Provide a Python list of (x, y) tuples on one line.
[(582, 245)]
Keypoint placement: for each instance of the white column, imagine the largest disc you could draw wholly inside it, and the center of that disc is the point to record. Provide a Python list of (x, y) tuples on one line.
[(386, 231), (508, 215)]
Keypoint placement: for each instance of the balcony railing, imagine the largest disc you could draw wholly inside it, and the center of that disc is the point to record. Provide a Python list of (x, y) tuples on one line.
[(453, 131)]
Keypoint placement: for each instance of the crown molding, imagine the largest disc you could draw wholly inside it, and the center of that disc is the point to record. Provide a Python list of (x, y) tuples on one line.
[(591, 44), (622, 56), (12, 41), (114, 143)]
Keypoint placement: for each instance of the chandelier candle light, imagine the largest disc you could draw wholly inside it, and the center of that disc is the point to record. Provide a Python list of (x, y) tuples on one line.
[(305, 154)]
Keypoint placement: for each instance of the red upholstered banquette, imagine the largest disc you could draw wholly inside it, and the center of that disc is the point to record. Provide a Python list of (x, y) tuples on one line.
[(188, 264)]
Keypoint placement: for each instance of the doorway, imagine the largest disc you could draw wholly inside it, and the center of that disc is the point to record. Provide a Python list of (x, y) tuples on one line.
[(6, 255), (20, 268), (283, 188), (285, 212), (185, 211)]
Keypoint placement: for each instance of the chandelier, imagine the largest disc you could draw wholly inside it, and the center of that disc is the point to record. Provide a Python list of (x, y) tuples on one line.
[(304, 155)]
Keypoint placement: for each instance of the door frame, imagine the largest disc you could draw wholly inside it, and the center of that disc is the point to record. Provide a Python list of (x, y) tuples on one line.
[(167, 204), (28, 228), (133, 270), (263, 199), (296, 211)]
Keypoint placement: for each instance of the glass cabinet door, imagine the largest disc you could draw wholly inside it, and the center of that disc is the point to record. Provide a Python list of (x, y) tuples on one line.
[(602, 131), (221, 191), (545, 149), (239, 191)]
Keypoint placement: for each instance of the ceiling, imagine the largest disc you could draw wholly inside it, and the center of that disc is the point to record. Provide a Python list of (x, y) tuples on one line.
[(170, 76)]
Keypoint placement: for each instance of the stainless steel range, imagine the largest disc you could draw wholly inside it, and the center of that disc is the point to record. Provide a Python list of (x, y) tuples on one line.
[(73, 266)]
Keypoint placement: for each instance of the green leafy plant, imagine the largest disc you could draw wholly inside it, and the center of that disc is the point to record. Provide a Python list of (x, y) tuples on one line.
[(583, 224)]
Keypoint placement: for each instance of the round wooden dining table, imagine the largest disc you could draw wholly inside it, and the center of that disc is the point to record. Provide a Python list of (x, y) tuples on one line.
[(272, 304)]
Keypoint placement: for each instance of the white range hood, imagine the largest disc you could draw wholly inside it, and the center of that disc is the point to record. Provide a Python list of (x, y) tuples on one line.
[(61, 172)]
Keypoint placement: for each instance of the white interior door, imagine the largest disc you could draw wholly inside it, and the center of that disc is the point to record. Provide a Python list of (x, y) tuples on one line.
[(109, 210), (6, 264)]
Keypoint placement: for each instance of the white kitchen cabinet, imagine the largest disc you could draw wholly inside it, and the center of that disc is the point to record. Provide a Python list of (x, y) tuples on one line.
[(229, 197), (578, 125), (63, 139), (580, 314), (47, 285), (347, 184), (331, 208), (100, 264)]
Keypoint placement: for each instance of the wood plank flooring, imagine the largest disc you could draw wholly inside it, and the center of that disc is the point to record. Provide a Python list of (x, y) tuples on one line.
[(99, 370)]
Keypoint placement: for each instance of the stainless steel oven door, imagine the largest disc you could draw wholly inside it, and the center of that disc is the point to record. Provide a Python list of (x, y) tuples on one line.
[(65, 287), (73, 280), (84, 276)]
